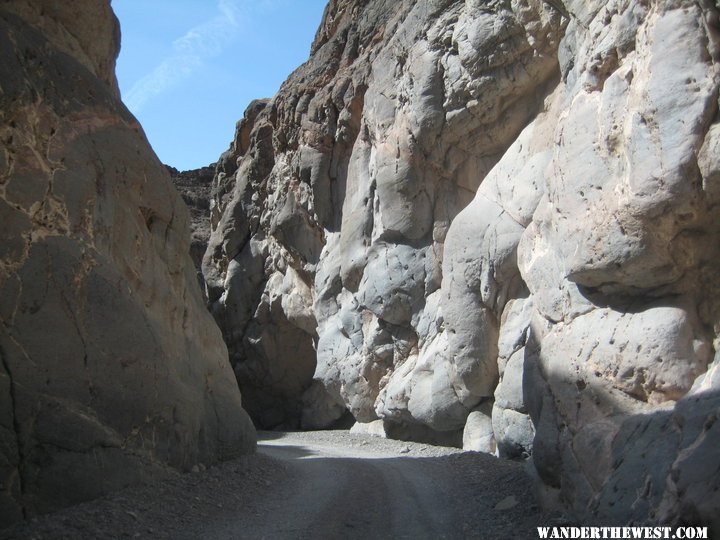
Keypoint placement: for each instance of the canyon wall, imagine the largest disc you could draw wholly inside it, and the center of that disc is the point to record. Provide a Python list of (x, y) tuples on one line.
[(334, 202), (111, 368), (195, 188), (497, 218)]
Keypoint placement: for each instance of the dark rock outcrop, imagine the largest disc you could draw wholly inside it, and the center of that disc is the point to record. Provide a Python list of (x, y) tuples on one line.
[(195, 188), (111, 369)]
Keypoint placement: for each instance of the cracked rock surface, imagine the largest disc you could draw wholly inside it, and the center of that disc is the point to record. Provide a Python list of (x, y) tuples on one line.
[(110, 367)]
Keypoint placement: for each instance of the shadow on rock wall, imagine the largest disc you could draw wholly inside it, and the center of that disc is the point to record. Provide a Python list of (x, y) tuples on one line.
[(611, 465), (111, 369)]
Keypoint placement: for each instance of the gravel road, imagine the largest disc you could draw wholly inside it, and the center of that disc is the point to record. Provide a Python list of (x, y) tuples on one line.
[(324, 484)]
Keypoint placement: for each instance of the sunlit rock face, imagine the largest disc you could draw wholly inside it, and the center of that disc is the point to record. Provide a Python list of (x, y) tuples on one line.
[(620, 262), (111, 369), (335, 200), (496, 217)]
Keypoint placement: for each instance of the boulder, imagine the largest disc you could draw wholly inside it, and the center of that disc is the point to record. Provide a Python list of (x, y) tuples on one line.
[(478, 434)]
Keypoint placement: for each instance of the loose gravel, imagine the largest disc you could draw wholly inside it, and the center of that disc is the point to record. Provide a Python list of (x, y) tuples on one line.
[(323, 484)]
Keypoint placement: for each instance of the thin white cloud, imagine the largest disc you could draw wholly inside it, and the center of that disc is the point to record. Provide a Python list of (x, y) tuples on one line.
[(201, 42)]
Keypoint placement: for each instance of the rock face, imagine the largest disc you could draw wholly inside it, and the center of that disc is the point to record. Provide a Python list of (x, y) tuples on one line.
[(111, 369), (620, 263), (497, 217), (195, 188), (336, 198)]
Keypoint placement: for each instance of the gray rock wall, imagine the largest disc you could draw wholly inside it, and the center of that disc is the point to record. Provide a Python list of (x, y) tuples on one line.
[(327, 251), (111, 370), (494, 218)]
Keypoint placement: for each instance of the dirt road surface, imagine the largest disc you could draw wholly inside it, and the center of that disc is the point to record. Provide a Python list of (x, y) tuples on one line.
[(319, 485)]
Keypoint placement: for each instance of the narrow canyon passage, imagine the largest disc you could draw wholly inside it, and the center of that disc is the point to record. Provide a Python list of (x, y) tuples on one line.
[(484, 223), (324, 484)]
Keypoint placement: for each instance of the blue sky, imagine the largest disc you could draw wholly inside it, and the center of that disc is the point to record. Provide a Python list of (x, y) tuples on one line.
[(188, 68)]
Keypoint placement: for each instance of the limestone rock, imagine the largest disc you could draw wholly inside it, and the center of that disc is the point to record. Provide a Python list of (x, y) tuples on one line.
[(110, 367)]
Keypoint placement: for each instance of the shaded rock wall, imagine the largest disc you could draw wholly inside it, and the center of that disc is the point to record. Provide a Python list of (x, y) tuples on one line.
[(110, 367), (499, 218)]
